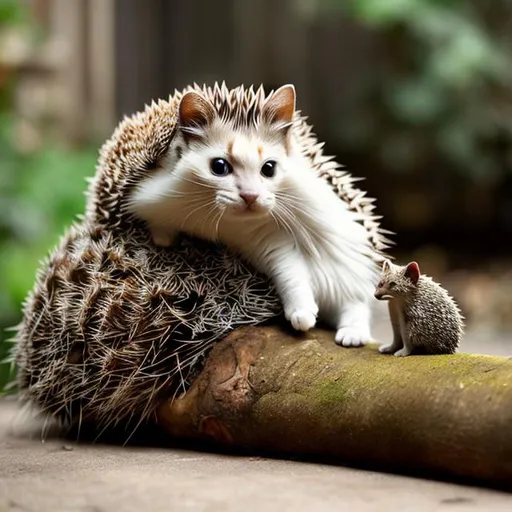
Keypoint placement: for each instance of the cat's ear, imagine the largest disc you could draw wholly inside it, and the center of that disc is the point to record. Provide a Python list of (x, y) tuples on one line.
[(195, 113), (279, 109), (412, 271)]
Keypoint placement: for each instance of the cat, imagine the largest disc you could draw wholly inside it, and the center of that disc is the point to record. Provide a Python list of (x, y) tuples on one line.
[(238, 175)]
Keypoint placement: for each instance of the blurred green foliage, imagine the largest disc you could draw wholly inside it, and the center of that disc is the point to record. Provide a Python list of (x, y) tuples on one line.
[(41, 192), (441, 92), (12, 12)]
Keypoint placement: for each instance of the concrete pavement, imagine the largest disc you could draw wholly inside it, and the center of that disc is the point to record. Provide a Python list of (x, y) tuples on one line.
[(58, 476)]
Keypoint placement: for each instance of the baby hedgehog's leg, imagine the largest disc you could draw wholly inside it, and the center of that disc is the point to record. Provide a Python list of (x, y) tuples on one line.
[(408, 345), (397, 334)]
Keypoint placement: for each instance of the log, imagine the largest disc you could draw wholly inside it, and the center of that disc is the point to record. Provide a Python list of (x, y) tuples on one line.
[(279, 393)]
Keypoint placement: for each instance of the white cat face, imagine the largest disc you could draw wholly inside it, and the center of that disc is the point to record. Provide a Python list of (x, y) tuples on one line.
[(242, 172), (225, 163)]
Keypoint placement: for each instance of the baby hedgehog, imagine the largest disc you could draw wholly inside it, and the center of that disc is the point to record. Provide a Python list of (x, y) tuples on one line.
[(424, 317)]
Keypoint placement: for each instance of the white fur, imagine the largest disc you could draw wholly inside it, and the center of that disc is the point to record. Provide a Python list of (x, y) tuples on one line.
[(300, 233)]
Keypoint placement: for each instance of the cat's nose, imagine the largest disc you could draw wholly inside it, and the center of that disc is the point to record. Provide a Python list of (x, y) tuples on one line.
[(249, 197)]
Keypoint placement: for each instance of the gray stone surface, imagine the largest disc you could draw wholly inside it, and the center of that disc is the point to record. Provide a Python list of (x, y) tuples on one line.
[(57, 476)]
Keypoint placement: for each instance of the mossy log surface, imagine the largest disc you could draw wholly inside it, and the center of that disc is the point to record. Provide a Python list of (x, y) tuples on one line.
[(265, 389)]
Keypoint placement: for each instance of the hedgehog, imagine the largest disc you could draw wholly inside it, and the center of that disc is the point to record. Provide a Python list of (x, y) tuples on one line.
[(115, 324), (424, 317)]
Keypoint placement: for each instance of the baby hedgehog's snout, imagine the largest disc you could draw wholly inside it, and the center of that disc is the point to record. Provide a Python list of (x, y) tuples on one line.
[(382, 293), (379, 291)]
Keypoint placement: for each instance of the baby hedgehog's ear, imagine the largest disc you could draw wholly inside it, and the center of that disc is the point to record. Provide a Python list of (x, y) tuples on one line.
[(412, 271), (386, 265), (195, 114)]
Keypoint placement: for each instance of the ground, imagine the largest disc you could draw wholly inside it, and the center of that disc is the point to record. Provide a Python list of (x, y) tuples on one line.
[(58, 476)]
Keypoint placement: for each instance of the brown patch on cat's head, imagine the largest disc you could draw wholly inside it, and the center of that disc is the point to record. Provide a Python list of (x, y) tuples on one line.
[(230, 150), (260, 151), (287, 147), (233, 160)]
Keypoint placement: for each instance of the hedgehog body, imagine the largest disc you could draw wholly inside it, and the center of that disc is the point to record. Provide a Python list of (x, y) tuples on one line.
[(424, 317), (115, 324)]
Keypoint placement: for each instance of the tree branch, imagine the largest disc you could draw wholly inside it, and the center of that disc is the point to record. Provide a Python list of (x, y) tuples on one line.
[(265, 389)]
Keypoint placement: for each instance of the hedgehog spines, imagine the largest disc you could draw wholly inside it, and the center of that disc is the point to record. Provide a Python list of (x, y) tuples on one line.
[(114, 324)]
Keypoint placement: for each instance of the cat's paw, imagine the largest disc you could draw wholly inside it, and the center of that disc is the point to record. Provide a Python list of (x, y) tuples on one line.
[(162, 238), (403, 352), (302, 319), (352, 337), (388, 349)]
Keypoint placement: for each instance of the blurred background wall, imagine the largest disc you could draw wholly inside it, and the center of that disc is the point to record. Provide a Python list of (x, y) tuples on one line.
[(413, 95)]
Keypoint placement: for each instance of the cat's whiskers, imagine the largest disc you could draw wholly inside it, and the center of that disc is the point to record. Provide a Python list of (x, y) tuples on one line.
[(201, 200), (202, 205), (276, 220), (301, 203), (285, 225), (207, 219), (297, 207), (221, 213), (297, 228), (283, 192), (295, 202), (199, 182), (176, 194)]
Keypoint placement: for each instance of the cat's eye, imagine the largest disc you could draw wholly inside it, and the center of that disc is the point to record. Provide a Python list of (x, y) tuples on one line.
[(220, 167), (268, 169), (392, 284)]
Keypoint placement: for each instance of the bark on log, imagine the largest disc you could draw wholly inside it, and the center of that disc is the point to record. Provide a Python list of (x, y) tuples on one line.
[(268, 390)]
